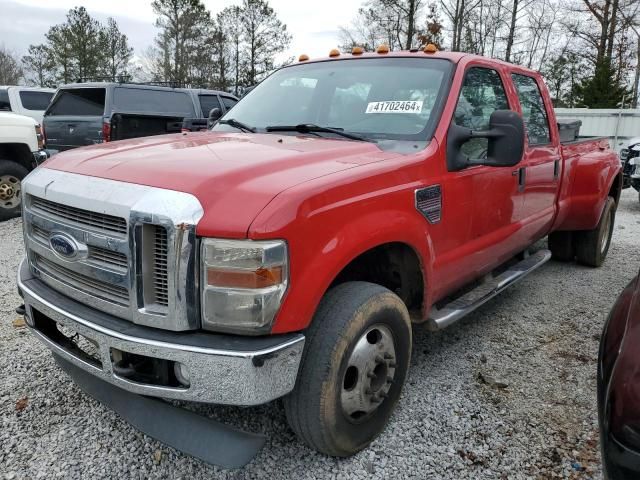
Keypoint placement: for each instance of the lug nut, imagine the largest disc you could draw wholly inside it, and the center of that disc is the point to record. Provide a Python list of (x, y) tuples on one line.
[(388, 356), (371, 375), (389, 379)]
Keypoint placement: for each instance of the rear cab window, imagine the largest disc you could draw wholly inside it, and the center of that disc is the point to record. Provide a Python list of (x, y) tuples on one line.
[(149, 101), (78, 102), (5, 104), (32, 100), (534, 112)]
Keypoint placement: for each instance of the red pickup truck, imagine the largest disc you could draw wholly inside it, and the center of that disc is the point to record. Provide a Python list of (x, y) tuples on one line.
[(287, 252)]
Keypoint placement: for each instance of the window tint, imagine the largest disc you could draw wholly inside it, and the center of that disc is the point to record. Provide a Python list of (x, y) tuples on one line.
[(534, 112), (228, 102), (5, 105), (141, 100), (79, 102), (482, 93), (208, 103), (35, 100)]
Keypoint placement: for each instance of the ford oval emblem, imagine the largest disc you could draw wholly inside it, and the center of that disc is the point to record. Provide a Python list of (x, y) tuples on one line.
[(64, 246)]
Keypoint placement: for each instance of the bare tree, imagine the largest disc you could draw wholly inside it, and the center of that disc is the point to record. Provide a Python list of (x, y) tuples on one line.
[(10, 71)]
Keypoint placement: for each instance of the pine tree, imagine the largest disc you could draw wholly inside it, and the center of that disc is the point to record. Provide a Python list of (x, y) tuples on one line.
[(601, 90)]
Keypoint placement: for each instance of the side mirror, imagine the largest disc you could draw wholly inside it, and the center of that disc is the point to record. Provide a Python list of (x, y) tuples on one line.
[(214, 116), (505, 142)]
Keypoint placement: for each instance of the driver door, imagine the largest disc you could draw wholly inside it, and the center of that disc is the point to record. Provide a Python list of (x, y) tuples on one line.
[(488, 196)]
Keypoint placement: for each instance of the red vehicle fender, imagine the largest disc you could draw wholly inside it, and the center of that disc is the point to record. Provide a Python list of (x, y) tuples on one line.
[(328, 227), (590, 176)]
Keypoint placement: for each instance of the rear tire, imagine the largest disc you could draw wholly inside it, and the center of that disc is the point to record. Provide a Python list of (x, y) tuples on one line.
[(561, 246), (592, 246), (354, 365), (11, 176)]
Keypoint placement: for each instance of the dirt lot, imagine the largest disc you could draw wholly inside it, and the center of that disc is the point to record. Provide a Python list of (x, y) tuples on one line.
[(509, 392)]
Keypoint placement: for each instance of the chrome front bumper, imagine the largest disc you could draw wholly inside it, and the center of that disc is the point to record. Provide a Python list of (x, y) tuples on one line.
[(223, 369)]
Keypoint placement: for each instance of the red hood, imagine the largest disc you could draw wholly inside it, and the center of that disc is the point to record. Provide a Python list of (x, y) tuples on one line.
[(233, 175)]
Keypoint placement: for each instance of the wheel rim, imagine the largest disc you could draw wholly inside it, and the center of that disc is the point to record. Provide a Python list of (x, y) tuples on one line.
[(606, 234), (369, 374), (9, 192)]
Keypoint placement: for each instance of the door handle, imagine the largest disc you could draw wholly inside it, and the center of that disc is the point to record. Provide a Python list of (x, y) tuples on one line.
[(556, 169), (521, 173)]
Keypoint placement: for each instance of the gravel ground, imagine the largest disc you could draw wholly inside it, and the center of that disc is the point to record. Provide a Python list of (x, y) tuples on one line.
[(509, 392)]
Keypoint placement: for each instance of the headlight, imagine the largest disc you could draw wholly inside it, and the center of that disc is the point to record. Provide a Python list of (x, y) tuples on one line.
[(243, 282)]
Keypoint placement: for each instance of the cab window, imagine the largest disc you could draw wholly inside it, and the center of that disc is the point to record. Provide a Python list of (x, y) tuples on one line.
[(482, 93), (208, 103), (534, 112)]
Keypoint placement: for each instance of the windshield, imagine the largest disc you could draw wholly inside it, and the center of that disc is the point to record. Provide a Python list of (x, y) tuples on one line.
[(378, 99)]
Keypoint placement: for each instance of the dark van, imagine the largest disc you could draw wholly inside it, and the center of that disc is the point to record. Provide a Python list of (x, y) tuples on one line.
[(89, 113)]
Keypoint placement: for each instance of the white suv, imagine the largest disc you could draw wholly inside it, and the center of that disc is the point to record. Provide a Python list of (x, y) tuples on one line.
[(29, 101)]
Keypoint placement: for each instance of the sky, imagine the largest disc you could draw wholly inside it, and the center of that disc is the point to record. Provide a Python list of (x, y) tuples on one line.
[(314, 29)]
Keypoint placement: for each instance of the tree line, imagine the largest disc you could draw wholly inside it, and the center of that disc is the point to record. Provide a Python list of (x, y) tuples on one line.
[(587, 50), (231, 50)]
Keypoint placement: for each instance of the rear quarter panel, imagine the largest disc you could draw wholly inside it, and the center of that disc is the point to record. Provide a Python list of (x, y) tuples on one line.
[(590, 169)]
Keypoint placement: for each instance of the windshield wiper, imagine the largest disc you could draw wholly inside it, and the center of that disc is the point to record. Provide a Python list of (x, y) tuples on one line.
[(312, 128), (237, 124)]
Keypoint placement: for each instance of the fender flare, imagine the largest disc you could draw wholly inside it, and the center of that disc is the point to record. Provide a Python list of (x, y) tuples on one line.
[(336, 248)]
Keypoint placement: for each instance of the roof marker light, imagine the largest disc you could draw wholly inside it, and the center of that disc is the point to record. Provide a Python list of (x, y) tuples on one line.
[(334, 52), (384, 48), (357, 51), (303, 58), (430, 48)]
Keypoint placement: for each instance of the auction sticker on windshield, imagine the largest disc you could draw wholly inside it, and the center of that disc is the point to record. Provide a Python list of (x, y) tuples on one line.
[(395, 106)]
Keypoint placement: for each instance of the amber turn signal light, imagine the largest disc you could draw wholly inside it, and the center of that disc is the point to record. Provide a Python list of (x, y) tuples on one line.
[(236, 278), (430, 48)]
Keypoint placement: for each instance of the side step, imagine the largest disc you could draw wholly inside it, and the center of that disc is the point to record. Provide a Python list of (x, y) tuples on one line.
[(461, 306)]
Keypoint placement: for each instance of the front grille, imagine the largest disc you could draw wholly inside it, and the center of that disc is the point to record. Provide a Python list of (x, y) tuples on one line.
[(97, 255), (97, 221), (160, 274), (91, 286)]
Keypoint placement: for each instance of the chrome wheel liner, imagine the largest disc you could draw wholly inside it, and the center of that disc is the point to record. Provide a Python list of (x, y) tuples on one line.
[(369, 373), (9, 192)]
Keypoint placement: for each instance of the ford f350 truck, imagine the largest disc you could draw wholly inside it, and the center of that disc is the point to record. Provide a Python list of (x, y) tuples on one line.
[(287, 252)]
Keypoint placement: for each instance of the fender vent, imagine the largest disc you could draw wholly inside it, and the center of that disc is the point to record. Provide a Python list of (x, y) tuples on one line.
[(429, 203)]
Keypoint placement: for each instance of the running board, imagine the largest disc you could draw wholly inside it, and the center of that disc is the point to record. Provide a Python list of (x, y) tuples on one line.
[(461, 306)]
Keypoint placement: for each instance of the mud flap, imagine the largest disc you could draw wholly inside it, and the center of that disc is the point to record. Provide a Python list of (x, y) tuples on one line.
[(201, 437)]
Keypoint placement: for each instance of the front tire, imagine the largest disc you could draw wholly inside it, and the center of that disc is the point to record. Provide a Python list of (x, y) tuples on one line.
[(592, 246), (11, 176), (353, 368)]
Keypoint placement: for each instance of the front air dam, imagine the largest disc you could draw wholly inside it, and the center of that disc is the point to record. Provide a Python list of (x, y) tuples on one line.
[(201, 437)]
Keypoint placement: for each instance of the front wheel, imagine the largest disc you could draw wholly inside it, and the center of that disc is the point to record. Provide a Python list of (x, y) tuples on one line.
[(592, 246), (11, 176), (353, 368)]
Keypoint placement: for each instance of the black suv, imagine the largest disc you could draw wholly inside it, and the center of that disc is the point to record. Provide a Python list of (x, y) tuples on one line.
[(90, 113)]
